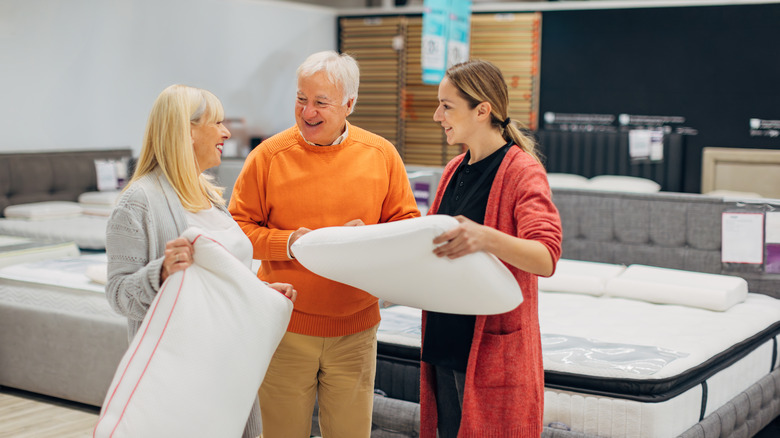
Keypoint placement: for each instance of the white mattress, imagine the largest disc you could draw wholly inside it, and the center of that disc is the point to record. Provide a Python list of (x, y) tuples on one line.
[(87, 231), (635, 369), (15, 250), (400, 325), (669, 357), (62, 273)]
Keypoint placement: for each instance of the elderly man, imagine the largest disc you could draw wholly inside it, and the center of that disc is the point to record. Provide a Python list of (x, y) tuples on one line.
[(321, 172)]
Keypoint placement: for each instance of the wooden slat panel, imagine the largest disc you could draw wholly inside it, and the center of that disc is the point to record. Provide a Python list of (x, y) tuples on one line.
[(511, 41), (370, 42)]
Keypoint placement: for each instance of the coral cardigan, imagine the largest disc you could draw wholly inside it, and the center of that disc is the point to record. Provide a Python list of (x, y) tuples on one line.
[(504, 393)]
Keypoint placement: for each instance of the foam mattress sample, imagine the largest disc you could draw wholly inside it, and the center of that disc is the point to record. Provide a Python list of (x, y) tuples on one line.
[(394, 261), (194, 367)]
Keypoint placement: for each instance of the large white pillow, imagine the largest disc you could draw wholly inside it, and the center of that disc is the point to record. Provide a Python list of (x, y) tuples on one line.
[(194, 367), (394, 261), (581, 277), (673, 286), (43, 210)]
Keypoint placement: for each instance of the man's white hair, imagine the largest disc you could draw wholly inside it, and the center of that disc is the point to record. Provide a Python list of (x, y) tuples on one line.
[(342, 70)]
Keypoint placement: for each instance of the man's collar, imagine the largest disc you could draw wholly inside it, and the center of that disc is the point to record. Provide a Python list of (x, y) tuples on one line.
[(338, 140)]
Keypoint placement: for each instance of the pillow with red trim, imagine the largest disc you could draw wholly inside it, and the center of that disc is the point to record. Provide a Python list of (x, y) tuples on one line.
[(200, 355)]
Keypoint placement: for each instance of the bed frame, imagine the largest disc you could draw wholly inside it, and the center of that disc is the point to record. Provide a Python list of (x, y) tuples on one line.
[(50, 176), (672, 230), (69, 352)]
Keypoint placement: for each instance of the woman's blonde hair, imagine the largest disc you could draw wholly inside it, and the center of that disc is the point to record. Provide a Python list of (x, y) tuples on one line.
[(480, 81), (167, 144)]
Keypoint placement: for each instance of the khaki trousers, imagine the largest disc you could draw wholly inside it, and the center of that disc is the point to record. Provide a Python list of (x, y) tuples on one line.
[(339, 371)]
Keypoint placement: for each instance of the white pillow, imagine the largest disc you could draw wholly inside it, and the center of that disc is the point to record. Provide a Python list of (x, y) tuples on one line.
[(566, 181), (99, 203), (581, 277), (395, 262), (673, 286), (197, 361), (43, 210), (622, 183), (100, 198), (97, 273)]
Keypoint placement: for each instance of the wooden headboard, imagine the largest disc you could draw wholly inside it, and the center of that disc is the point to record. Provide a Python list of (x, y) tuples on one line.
[(50, 176)]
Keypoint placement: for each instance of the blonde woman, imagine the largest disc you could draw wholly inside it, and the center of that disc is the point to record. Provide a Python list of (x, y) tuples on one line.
[(168, 193), (482, 376)]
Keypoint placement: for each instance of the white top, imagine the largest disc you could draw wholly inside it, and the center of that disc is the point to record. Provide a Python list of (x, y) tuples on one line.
[(224, 230)]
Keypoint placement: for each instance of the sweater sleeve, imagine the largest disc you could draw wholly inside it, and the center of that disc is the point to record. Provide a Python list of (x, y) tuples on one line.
[(133, 279), (399, 203), (249, 210)]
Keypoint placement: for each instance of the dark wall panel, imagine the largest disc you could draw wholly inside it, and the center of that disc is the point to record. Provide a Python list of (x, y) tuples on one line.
[(717, 66)]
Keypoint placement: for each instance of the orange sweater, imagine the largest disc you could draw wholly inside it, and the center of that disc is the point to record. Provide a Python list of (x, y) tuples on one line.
[(287, 183)]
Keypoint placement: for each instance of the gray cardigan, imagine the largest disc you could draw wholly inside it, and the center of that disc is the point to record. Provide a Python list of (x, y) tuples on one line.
[(146, 217)]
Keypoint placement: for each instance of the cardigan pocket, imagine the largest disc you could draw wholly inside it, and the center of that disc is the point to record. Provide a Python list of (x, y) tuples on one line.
[(498, 360)]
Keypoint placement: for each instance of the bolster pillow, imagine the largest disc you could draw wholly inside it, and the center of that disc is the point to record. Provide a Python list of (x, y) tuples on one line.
[(673, 286)]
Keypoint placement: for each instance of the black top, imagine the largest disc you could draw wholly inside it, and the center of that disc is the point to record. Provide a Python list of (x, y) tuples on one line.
[(447, 336)]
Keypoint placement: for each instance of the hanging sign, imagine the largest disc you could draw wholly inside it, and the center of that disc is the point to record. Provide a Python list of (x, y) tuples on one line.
[(459, 34), (445, 37)]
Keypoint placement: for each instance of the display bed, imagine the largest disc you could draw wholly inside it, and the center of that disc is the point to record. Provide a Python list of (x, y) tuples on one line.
[(617, 367), (58, 335), (87, 231), (623, 368)]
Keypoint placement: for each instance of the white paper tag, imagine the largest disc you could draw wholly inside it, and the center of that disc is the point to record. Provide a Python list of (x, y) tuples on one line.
[(742, 238), (106, 175)]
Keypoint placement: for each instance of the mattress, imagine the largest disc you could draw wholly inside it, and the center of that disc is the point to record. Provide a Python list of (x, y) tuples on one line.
[(58, 334), (617, 367), (623, 368), (63, 273), (14, 250), (398, 353), (87, 231)]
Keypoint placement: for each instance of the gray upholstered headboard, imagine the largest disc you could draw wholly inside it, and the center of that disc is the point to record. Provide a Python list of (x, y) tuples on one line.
[(670, 230), (50, 176)]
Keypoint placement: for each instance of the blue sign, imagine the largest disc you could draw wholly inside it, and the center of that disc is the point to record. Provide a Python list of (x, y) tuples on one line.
[(445, 38)]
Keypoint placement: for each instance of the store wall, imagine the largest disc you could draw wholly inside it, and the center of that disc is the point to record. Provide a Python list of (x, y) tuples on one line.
[(83, 74), (716, 69)]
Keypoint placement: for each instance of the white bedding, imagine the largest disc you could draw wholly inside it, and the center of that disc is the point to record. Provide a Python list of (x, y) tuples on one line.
[(66, 272), (14, 250), (697, 333), (686, 337), (692, 335), (400, 325), (87, 231)]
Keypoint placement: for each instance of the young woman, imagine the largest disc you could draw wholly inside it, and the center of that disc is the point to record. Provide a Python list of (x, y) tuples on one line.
[(482, 376), (167, 193)]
